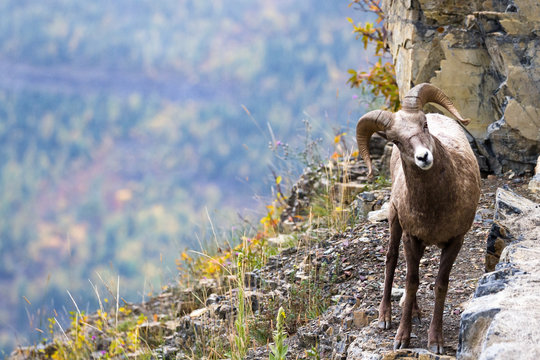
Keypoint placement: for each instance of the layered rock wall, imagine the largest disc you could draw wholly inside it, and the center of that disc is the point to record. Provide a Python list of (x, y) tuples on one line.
[(485, 54)]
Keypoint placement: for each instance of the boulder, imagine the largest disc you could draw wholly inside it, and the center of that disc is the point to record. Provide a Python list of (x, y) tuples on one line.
[(369, 201), (507, 204), (500, 322), (485, 55), (379, 215)]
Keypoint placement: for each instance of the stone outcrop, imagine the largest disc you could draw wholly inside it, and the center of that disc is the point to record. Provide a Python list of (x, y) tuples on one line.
[(501, 320), (507, 204), (486, 57)]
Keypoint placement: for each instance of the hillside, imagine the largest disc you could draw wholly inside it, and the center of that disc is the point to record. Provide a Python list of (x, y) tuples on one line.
[(326, 275), (126, 128)]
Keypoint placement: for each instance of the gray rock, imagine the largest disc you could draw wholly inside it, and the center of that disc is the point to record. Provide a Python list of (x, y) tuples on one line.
[(507, 204), (484, 55), (474, 325), (207, 286), (379, 215), (252, 280), (307, 338), (340, 350), (363, 204), (365, 347), (271, 284), (397, 293), (501, 321), (214, 299), (367, 196), (496, 281), (167, 352), (224, 311), (484, 215), (254, 299)]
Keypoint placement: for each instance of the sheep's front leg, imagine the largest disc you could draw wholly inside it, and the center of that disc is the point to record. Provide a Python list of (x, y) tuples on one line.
[(414, 249), (392, 254), (448, 256)]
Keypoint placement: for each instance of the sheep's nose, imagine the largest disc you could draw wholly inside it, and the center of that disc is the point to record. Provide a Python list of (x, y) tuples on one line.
[(423, 158)]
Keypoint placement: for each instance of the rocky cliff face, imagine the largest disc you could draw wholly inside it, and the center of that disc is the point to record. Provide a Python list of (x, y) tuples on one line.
[(497, 322), (486, 56)]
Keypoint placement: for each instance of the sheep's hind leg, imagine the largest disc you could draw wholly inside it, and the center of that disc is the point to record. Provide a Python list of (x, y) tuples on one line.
[(414, 249), (416, 312), (448, 256), (392, 254)]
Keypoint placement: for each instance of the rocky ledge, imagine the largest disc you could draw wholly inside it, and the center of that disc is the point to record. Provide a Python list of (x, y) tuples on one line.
[(501, 322), (329, 281)]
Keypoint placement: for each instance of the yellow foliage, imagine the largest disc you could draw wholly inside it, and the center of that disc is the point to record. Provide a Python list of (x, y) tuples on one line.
[(337, 139), (185, 257), (381, 77)]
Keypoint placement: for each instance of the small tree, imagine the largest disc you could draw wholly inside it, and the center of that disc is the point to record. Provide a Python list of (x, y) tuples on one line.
[(381, 77)]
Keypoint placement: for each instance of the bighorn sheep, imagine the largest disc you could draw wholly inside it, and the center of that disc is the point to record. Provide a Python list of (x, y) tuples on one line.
[(435, 192)]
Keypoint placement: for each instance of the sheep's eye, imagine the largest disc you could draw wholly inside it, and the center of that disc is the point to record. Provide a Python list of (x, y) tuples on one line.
[(425, 127), (397, 143)]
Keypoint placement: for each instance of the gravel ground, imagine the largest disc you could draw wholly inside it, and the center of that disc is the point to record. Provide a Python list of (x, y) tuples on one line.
[(361, 252)]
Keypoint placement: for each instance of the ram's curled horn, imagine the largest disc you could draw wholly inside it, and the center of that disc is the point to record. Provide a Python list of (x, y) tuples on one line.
[(425, 93), (377, 120)]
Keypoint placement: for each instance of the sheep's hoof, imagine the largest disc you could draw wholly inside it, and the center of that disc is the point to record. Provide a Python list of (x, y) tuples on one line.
[(385, 318), (436, 349), (384, 324), (401, 344)]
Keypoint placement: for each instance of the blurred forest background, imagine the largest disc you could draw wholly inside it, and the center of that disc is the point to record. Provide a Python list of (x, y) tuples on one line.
[(122, 124)]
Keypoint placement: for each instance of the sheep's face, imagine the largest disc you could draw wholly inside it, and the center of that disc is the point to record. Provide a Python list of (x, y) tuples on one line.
[(409, 132)]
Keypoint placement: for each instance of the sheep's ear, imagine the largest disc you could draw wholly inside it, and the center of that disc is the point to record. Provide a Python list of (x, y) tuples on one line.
[(382, 134)]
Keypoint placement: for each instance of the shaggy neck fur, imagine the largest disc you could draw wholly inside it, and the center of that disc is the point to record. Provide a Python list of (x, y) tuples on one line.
[(429, 190)]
